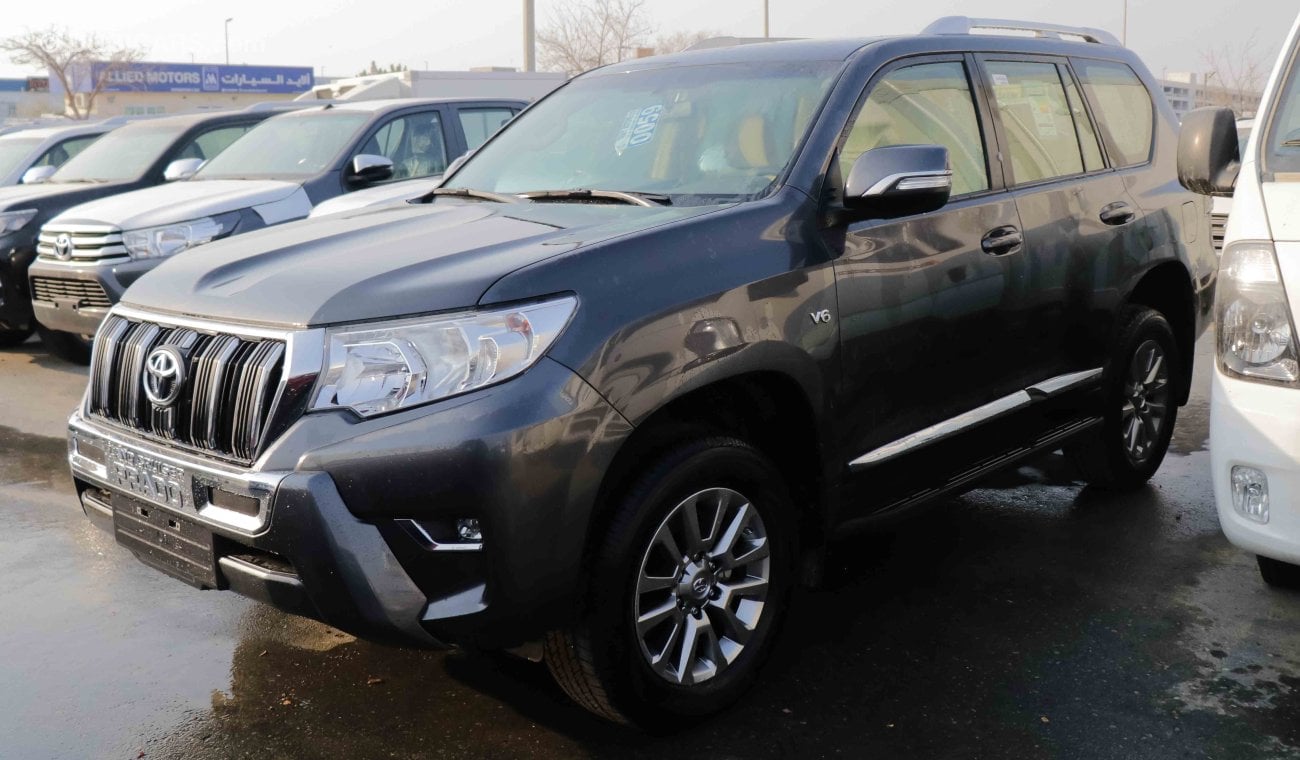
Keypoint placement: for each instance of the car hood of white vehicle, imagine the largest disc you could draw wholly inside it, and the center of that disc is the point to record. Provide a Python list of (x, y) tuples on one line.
[(190, 199)]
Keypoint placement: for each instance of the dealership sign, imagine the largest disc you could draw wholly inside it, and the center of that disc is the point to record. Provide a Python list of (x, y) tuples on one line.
[(198, 77)]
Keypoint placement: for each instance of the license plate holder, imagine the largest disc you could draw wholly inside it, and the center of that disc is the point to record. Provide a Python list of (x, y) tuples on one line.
[(168, 542), (148, 478)]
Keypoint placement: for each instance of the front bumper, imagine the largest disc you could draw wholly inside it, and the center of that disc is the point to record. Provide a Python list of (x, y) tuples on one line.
[(335, 536), (81, 316), (1258, 426)]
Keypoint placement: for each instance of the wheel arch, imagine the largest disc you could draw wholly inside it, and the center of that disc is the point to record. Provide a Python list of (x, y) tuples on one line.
[(1167, 288)]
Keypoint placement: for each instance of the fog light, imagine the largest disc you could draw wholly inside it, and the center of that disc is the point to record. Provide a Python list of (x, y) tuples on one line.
[(1250, 493), (467, 529)]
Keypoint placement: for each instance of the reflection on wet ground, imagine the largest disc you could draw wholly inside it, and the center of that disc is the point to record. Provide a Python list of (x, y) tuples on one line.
[(1030, 618)]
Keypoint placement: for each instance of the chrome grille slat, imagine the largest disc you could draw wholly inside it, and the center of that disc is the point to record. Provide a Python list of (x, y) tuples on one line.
[(89, 241), (225, 403), (1218, 230), (86, 292)]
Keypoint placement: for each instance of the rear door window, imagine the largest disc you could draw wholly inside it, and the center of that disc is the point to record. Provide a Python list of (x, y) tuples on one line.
[(1037, 123), (1123, 109), (925, 104), (481, 123)]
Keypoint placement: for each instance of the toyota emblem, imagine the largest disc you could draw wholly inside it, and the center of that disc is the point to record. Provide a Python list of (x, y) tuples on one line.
[(63, 246), (164, 376)]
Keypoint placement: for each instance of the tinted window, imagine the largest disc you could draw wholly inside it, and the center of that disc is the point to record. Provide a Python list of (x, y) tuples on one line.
[(1092, 160), (59, 154), (413, 143), (697, 133), (1122, 106), (480, 123), (210, 144), (123, 154), (1036, 120), (928, 104), (287, 146)]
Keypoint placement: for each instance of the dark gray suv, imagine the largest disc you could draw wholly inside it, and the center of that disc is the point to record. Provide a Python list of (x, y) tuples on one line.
[(682, 323)]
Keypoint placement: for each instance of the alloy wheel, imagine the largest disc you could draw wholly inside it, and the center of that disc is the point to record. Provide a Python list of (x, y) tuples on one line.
[(1145, 401), (702, 586)]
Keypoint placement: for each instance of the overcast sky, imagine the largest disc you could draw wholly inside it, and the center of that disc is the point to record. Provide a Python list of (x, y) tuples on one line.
[(343, 36)]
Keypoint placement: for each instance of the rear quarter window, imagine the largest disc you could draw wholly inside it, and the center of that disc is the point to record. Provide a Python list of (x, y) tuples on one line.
[(1123, 107)]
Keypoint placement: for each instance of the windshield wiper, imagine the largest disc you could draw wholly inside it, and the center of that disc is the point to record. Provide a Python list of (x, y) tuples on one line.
[(468, 192), (632, 198), (1294, 142)]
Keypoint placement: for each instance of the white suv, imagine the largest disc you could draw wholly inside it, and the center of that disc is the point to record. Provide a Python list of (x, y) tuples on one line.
[(1255, 402)]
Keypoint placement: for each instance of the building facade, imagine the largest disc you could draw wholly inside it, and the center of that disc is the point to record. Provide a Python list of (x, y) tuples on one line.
[(1187, 91)]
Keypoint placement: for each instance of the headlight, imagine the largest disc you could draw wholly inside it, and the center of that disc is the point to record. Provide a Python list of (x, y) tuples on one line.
[(160, 242), (1256, 339), (12, 221), (381, 367)]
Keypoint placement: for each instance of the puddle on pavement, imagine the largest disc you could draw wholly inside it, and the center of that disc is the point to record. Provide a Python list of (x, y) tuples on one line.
[(33, 460)]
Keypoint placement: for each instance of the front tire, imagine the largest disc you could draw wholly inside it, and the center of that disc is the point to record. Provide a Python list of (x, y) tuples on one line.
[(11, 338), (1279, 574), (67, 346), (685, 591), (1140, 406)]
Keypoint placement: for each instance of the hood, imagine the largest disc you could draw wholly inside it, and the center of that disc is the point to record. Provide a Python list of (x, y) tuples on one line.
[(392, 261), (394, 192), (18, 197), (180, 202)]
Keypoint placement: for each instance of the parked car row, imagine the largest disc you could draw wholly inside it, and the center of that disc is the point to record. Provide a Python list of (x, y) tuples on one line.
[(617, 382), (84, 232)]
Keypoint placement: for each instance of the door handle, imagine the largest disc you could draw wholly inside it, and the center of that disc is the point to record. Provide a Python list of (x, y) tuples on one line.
[(1117, 214), (1002, 240)]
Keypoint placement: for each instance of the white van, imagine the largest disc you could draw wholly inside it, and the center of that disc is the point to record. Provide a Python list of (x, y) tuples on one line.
[(1255, 402)]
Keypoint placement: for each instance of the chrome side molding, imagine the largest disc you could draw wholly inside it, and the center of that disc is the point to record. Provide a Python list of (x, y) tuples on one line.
[(978, 416)]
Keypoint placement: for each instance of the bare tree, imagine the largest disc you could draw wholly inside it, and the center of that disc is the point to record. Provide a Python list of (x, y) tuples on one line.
[(1235, 75), (676, 42), (590, 33), (70, 60)]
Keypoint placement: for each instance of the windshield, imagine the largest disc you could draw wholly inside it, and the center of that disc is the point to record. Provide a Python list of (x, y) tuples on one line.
[(14, 151), (293, 145), (697, 134), (123, 154)]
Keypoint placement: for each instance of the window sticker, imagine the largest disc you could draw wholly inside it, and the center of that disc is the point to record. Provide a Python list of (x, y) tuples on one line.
[(1001, 79), (638, 128)]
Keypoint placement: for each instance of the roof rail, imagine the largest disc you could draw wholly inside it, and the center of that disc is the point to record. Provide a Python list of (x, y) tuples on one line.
[(965, 25)]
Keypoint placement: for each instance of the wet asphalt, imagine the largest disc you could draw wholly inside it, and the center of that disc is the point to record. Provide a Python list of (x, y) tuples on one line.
[(1031, 618)]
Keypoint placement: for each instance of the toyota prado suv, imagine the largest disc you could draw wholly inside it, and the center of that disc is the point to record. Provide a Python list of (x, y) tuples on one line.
[(617, 383)]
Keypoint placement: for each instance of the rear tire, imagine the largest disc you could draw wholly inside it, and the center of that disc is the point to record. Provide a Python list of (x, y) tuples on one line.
[(11, 338), (1279, 574), (1141, 408), (709, 603), (67, 346)]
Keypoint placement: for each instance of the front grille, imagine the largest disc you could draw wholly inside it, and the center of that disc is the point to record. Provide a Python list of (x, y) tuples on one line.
[(87, 242), (1218, 229), (226, 395), (84, 292)]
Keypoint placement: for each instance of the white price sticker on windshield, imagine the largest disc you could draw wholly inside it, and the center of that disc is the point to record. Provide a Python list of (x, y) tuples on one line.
[(638, 127)]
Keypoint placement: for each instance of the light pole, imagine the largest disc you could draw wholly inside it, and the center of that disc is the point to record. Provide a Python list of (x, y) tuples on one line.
[(765, 17), (530, 36), (228, 40)]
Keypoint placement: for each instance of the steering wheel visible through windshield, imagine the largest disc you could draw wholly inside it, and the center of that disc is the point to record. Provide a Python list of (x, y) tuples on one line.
[(697, 134)]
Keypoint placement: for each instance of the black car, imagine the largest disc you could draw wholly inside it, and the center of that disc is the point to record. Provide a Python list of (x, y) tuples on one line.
[(128, 158), (276, 173), (617, 383)]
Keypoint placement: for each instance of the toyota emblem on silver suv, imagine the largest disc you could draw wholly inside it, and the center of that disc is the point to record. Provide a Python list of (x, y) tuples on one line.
[(63, 246), (164, 376)]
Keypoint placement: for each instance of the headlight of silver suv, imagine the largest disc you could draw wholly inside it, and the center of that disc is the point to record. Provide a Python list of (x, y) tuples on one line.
[(12, 221), (1256, 338), (160, 242), (380, 367)]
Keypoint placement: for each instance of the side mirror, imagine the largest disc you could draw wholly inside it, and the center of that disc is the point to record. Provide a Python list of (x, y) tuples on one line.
[(899, 180), (367, 168), (1209, 156), (38, 174), (182, 168)]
